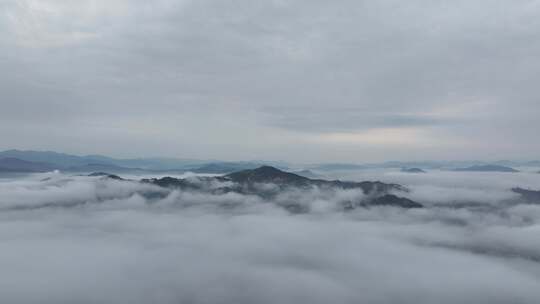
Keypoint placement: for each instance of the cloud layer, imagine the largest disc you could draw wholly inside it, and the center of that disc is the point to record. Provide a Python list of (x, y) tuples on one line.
[(93, 240), (459, 79)]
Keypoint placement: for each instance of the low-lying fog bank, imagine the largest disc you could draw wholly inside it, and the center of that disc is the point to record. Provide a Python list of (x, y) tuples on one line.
[(78, 239)]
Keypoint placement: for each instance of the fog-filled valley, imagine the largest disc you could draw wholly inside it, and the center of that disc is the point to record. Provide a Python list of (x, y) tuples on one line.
[(73, 238)]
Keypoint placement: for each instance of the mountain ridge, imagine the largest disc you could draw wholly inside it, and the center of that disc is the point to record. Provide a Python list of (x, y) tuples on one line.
[(11, 164), (252, 181), (65, 161), (487, 168)]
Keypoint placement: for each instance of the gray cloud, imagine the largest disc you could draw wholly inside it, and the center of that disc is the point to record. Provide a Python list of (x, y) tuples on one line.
[(96, 76), (347, 120)]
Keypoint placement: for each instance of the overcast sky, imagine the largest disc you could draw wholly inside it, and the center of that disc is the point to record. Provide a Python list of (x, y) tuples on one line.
[(301, 81)]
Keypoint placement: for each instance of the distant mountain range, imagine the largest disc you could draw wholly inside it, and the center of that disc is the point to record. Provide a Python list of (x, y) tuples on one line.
[(442, 165), (10, 164), (487, 168), (338, 167), (412, 170), (62, 160), (41, 161), (46, 160), (225, 167)]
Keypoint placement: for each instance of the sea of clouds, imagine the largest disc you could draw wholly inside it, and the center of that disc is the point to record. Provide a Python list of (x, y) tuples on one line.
[(79, 239)]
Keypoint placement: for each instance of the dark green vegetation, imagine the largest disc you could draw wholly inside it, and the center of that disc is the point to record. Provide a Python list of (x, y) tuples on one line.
[(268, 183), (530, 196)]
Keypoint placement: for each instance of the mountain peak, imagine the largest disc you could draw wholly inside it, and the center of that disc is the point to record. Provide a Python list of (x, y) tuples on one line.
[(412, 170), (268, 169), (247, 182), (267, 174)]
